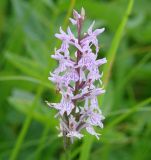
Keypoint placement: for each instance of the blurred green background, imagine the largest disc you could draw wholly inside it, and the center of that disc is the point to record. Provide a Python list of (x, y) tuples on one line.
[(27, 126)]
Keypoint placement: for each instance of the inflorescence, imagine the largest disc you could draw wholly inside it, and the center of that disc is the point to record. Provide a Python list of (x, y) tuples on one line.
[(76, 79)]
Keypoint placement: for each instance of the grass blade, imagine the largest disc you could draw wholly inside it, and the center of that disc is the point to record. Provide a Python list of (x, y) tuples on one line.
[(25, 127), (26, 78), (115, 44)]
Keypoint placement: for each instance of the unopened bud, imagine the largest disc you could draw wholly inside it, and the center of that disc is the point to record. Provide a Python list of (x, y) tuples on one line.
[(82, 13)]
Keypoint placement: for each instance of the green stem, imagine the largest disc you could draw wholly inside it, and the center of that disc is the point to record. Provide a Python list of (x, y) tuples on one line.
[(67, 152)]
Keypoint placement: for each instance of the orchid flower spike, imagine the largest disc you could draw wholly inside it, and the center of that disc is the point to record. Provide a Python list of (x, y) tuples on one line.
[(76, 77)]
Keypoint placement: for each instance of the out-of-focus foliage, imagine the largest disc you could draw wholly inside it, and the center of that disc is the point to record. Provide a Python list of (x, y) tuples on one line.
[(27, 126)]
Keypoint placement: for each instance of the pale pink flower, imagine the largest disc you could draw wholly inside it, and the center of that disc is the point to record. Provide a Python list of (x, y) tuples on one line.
[(91, 130)]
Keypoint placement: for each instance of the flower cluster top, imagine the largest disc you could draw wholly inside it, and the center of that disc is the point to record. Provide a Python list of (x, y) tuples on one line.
[(76, 78)]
